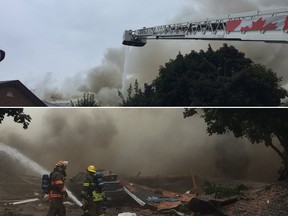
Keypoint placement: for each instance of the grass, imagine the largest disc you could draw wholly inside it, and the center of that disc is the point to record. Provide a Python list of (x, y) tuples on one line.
[(222, 191)]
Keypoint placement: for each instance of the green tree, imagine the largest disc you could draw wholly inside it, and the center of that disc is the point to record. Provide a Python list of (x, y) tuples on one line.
[(224, 77), (138, 97), (18, 115), (258, 125), (255, 85), (88, 100)]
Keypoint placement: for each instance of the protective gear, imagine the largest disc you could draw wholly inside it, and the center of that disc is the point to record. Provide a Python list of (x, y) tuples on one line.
[(105, 202), (46, 183), (99, 183), (57, 192), (57, 189), (57, 208), (84, 204), (92, 193), (62, 164), (91, 168), (97, 196)]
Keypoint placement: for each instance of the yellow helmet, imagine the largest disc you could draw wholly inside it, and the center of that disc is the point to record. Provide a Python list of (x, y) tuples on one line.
[(91, 168)]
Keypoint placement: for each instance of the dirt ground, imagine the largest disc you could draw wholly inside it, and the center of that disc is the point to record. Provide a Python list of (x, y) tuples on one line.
[(259, 200), (41, 209), (270, 200), (18, 188)]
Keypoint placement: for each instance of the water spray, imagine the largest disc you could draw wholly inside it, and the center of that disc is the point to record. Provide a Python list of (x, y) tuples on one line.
[(32, 165), (124, 75)]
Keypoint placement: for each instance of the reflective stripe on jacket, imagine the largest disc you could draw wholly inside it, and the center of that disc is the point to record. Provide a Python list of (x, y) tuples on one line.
[(97, 196), (57, 185), (89, 190)]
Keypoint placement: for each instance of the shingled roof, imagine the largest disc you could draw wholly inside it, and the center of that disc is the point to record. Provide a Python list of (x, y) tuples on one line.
[(14, 93)]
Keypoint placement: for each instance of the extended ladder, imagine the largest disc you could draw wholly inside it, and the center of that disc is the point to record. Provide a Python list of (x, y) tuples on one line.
[(267, 26)]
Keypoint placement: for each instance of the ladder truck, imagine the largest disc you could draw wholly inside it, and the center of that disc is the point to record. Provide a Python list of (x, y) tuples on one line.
[(266, 26)]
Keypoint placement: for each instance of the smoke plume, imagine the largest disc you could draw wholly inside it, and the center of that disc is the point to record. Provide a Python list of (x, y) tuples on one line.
[(153, 141), (123, 65)]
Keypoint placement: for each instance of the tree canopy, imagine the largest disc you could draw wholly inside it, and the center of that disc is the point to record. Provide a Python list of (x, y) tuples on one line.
[(18, 115), (224, 77), (258, 125)]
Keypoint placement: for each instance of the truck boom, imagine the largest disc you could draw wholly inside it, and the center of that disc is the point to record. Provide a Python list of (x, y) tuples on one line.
[(268, 26)]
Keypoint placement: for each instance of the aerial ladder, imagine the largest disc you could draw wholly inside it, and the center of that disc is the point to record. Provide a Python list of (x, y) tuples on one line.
[(267, 26)]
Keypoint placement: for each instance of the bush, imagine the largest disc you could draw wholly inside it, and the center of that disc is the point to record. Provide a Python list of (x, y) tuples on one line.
[(222, 191)]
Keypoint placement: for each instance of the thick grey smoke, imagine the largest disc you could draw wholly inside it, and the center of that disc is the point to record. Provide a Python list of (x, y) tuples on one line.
[(153, 141), (144, 62), (122, 66), (104, 81)]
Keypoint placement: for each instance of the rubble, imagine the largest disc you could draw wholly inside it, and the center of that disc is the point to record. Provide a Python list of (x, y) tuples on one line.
[(260, 199), (156, 198), (127, 214), (25, 201), (208, 204)]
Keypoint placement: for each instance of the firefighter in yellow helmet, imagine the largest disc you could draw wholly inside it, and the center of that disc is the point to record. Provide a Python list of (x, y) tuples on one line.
[(92, 193), (57, 191)]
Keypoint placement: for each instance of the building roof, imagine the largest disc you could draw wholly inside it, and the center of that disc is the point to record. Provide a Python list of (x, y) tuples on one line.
[(24, 90)]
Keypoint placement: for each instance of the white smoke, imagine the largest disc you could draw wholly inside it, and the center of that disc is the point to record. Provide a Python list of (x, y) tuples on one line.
[(153, 141), (121, 67)]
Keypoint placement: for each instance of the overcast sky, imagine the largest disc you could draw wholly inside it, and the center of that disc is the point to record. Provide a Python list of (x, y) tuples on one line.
[(57, 48), (67, 37)]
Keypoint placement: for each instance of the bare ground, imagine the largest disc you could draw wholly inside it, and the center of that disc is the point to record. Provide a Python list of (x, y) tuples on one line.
[(258, 200)]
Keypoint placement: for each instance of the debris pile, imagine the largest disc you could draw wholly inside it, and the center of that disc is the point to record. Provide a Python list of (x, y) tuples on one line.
[(22, 196)]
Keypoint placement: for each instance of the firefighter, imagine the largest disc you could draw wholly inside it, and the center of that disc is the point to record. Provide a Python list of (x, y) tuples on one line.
[(57, 191), (92, 193)]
